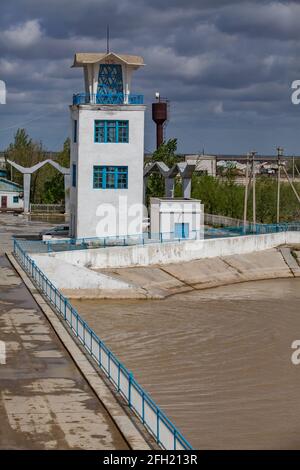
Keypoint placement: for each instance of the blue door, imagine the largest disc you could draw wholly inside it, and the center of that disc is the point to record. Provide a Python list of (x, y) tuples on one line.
[(182, 230)]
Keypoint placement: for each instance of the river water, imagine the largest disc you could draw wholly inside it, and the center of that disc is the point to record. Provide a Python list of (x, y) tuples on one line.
[(218, 361)]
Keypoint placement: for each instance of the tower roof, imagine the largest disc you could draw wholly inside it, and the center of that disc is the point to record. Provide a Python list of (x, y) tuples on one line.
[(84, 58)]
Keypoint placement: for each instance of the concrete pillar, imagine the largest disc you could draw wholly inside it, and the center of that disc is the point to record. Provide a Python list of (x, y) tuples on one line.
[(145, 188), (67, 183), (26, 189), (169, 187), (214, 173), (187, 187)]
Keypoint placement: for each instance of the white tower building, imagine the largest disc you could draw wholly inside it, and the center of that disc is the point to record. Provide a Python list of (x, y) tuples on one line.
[(107, 148)]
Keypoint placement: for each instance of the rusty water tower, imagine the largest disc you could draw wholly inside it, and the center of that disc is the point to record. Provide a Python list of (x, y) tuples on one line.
[(160, 117)]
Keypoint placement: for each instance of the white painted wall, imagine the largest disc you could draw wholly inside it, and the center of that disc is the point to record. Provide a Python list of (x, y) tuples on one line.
[(85, 201), (165, 213), (10, 200), (174, 252)]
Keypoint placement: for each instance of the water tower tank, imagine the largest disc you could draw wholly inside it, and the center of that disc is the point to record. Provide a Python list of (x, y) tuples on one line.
[(159, 116)]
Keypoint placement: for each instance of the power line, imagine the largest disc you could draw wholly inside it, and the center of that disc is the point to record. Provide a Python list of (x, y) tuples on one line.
[(25, 122)]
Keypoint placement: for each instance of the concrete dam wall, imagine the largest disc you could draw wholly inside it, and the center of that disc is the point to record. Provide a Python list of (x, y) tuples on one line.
[(174, 252), (199, 264)]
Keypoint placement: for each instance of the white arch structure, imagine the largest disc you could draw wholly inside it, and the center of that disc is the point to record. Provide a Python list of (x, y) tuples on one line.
[(28, 171), (184, 169)]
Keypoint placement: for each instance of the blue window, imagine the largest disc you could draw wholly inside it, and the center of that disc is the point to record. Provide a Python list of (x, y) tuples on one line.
[(74, 175), (182, 230), (110, 177), (15, 199), (111, 132), (75, 131)]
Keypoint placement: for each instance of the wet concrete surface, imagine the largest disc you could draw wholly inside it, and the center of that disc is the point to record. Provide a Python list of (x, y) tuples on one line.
[(45, 403), (217, 361)]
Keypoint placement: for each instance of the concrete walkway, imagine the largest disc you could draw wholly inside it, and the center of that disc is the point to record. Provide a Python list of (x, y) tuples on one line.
[(45, 402)]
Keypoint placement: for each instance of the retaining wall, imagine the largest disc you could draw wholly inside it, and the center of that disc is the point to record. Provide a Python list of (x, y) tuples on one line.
[(174, 252)]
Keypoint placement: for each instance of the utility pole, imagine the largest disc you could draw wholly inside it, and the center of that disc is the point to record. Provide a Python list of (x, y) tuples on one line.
[(246, 193), (293, 168), (279, 155), (291, 184), (253, 153)]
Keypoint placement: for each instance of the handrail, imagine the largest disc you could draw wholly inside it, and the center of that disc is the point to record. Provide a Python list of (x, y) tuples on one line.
[(68, 244), (107, 98), (139, 401)]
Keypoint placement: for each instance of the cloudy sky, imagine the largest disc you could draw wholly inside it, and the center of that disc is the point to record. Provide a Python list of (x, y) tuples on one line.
[(226, 67)]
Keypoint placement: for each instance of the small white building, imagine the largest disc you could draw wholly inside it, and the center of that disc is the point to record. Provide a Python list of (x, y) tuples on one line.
[(107, 148), (176, 218), (11, 196)]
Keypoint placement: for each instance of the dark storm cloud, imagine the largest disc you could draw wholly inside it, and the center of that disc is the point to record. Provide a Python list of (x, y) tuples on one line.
[(225, 65), (277, 20)]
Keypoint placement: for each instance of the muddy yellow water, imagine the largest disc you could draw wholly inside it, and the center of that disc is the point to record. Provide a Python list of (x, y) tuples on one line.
[(218, 361)]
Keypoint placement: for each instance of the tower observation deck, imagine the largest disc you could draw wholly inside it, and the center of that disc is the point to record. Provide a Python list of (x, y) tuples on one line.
[(107, 78)]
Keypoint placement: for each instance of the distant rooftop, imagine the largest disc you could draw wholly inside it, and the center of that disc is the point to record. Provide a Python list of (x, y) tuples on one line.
[(9, 186)]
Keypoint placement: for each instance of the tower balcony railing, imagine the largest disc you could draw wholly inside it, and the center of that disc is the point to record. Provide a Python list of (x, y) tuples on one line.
[(107, 98)]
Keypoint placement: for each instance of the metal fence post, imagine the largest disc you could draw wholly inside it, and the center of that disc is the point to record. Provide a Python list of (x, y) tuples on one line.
[(32, 269), (143, 407), (100, 355), (65, 309), (130, 378), (108, 363), (119, 370)]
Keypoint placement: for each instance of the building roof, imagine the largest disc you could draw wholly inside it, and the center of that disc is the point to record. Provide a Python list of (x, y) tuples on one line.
[(9, 186), (84, 58)]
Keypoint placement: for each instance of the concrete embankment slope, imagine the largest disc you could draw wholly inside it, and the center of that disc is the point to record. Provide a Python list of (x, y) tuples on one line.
[(166, 279), (174, 278), (80, 281)]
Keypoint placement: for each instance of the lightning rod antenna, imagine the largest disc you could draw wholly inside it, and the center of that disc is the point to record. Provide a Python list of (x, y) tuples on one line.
[(107, 39)]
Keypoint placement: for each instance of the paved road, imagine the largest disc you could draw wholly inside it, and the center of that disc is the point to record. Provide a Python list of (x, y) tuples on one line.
[(45, 403)]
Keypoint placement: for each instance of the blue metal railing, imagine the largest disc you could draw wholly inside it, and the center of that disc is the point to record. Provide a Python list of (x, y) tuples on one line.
[(139, 401), (146, 238), (254, 229), (68, 244), (107, 98)]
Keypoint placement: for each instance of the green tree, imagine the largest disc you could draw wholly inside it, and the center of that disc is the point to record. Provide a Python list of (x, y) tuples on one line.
[(225, 197), (52, 190), (47, 185), (27, 153)]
